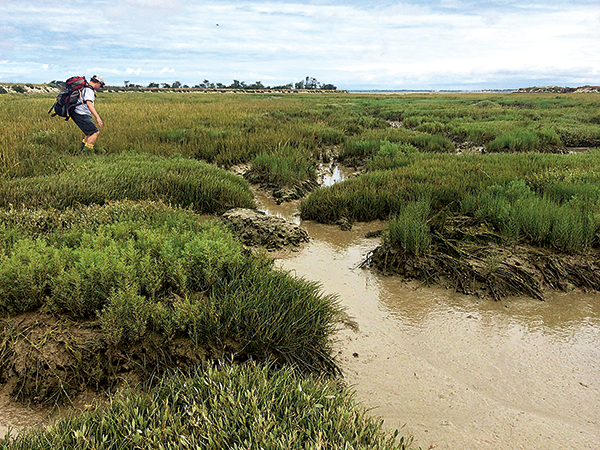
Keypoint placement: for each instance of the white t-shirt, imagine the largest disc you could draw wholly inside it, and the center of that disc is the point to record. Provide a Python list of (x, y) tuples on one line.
[(87, 94)]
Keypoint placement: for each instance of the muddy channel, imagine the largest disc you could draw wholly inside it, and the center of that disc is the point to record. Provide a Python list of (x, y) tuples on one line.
[(455, 371)]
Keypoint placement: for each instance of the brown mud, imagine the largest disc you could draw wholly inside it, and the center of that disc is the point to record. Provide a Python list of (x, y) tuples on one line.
[(280, 193), (49, 364), (256, 228)]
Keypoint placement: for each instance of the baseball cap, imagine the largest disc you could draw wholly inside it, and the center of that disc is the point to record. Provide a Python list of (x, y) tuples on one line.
[(98, 79)]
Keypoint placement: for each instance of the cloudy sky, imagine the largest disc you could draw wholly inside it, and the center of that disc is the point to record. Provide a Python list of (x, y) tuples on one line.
[(353, 44)]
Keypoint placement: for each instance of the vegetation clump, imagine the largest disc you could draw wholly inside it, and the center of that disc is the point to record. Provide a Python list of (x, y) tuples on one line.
[(510, 242), (151, 287), (287, 172), (96, 180)]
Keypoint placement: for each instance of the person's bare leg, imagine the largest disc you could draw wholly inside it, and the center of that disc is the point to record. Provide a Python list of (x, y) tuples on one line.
[(91, 139)]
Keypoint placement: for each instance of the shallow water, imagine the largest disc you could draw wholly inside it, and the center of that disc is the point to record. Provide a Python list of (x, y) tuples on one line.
[(459, 372)]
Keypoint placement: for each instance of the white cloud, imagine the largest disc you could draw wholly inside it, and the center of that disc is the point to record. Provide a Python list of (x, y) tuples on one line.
[(374, 43)]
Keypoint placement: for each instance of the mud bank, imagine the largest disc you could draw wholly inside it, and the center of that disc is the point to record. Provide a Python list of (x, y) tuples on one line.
[(489, 270), (457, 371)]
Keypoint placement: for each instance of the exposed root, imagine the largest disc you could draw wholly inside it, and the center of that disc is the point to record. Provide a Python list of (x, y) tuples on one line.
[(487, 269)]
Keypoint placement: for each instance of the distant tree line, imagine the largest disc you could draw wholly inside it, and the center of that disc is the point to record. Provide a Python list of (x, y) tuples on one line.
[(307, 83)]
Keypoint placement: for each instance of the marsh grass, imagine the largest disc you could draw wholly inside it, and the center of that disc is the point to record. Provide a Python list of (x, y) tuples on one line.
[(245, 406), (140, 268), (540, 193), (133, 176), (525, 141), (519, 212), (233, 129), (284, 166), (360, 150), (391, 156), (408, 228)]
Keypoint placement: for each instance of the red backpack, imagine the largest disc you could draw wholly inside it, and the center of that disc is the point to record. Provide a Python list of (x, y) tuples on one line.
[(68, 97)]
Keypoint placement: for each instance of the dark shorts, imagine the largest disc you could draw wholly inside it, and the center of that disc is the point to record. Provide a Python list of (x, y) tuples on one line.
[(85, 123)]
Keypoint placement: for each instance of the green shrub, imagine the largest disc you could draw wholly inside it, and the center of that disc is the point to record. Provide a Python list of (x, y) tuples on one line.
[(141, 268), (26, 269), (75, 269), (125, 316)]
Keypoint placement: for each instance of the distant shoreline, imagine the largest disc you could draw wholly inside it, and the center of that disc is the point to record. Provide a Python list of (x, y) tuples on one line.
[(28, 88), (427, 91)]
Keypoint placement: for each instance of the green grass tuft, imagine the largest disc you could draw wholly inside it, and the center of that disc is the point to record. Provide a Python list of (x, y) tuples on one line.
[(146, 268)]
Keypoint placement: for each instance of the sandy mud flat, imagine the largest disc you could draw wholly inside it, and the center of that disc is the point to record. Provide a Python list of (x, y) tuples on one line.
[(457, 371)]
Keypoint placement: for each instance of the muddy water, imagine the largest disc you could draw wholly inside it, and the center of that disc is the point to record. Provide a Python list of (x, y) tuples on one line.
[(455, 371)]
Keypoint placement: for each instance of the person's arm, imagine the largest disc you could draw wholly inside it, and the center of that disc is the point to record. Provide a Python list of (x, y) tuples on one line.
[(90, 105)]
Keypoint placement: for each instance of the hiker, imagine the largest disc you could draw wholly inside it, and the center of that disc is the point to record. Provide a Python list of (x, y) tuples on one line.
[(82, 113)]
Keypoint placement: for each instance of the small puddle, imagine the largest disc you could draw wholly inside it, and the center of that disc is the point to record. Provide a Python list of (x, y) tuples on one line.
[(287, 210), (456, 371), (330, 174)]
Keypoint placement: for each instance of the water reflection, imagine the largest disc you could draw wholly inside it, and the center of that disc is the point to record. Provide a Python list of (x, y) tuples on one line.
[(332, 174)]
